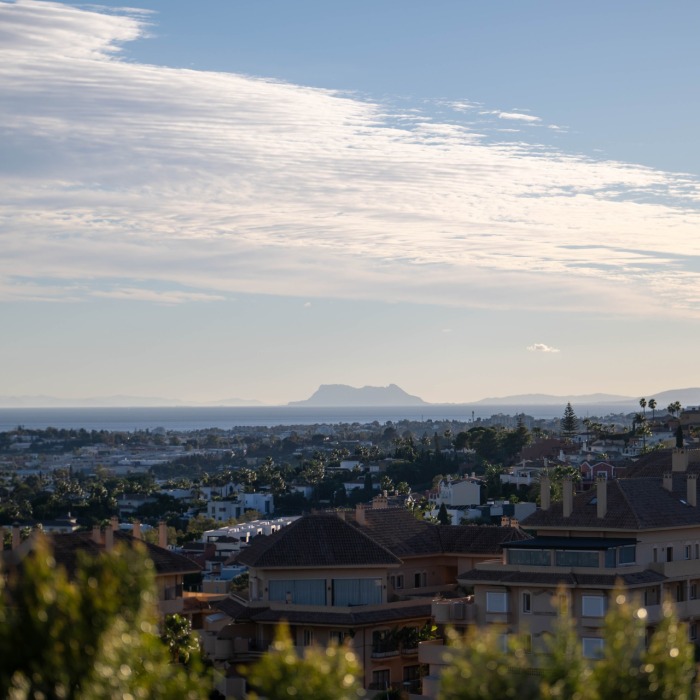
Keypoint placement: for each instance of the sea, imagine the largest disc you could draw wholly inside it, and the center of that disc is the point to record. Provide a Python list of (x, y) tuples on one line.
[(183, 418)]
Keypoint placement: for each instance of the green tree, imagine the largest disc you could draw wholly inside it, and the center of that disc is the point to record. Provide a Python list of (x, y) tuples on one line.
[(182, 642), (652, 405), (484, 667), (443, 516), (92, 636), (318, 674), (569, 423)]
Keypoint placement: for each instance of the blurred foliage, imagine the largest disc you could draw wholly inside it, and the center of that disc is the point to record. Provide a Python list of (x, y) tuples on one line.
[(485, 665), (320, 674), (92, 635)]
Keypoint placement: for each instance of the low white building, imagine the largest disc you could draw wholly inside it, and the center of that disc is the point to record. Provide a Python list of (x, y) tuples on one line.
[(231, 509)]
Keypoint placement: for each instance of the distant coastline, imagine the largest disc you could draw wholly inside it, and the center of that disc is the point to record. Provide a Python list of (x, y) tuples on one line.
[(184, 418)]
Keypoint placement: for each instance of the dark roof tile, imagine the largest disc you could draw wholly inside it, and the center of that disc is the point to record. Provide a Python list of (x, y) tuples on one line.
[(322, 540)]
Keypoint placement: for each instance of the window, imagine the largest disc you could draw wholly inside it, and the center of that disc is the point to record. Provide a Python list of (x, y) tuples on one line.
[(688, 551), (669, 553), (592, 605), (299, 592), (380, 679), (412, 673), (496, 602), (357, 591), (574, 558), (693, 591), (397, 581), (530, 557), (656, 555), (384, 642), (308, 638), (527, 602), (693, 631), (628, 554), (336, 637), (592, 647), (680, 592)]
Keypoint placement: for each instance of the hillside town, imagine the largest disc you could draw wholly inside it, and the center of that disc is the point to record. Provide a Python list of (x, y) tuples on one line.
[(381, 537)]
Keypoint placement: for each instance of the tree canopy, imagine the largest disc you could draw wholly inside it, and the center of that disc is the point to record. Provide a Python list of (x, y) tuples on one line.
[(89, 636)]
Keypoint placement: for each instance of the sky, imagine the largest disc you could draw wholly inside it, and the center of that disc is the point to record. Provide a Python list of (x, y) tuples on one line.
[(208, 200)]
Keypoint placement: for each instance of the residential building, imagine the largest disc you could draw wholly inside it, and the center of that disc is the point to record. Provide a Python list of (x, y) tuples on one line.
[(169, 568), (643, 533), (367, 576)]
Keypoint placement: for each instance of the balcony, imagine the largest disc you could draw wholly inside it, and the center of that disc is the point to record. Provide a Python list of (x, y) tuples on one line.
[(677, 569), (431, 652), (385, 650), (454, 612)]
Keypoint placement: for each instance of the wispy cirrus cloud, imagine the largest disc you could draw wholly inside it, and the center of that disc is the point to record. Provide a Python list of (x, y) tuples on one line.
[(542, 347), (112, 171)]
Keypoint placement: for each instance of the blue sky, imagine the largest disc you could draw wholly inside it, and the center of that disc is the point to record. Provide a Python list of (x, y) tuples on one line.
[(203, 200)]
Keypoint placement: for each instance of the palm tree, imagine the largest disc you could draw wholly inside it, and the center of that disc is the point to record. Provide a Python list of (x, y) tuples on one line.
[(652, 406), (674, 408), (643, 404)]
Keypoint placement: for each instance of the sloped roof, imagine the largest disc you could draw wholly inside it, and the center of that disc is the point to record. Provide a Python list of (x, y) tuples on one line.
[(319, 540), (632, 504), (400, 532), (658, 462), (67, 546), (404, 535), (478, 539)]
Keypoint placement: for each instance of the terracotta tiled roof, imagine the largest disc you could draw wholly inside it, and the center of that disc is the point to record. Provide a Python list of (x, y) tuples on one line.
[(478, 539), (660, 461), (232, 607), (400, 532), (322, 540), (502, 576), (67, 546), (633, 504), (404, 535)]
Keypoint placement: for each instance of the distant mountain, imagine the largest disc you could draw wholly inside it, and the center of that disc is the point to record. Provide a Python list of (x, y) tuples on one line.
[(687, 397), (548, 399), (335, 395)]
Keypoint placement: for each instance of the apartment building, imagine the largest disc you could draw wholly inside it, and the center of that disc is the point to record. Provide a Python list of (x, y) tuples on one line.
[(367, 577), (641, 532)]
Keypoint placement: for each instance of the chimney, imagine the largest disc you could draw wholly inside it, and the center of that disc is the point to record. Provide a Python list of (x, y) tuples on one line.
[(545, 492), (692, 496), (163, 534), (340, 514), (136, 530), (380, 502), (679, 460), (109, 538), (567, 486), (360, 514), (16, 536), (601, 486), (668, 481), (96, 534)]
